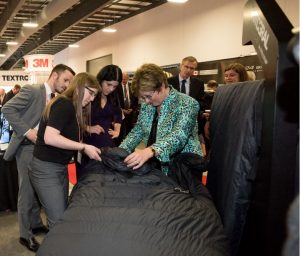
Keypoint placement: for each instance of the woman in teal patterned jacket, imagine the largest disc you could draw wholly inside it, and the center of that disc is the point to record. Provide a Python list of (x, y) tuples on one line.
[(176, 116)]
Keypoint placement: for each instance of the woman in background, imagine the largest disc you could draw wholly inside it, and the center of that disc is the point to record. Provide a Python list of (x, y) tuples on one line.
[(60, 132), (235, 73)]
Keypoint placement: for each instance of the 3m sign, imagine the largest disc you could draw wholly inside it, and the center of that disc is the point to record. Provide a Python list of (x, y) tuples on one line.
[(38, 62)]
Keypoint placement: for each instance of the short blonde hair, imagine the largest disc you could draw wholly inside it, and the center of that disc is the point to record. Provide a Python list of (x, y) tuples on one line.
[(149, 77)]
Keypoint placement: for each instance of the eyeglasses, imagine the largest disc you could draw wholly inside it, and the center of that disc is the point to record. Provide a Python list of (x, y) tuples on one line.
[(147, 97), (91, 92)]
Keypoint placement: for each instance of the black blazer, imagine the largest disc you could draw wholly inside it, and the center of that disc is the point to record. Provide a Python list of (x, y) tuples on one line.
[(133, 99), (7, 97), (196, 87)]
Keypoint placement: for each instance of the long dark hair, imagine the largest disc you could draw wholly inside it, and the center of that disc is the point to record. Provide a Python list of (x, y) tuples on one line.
[(109, 73)]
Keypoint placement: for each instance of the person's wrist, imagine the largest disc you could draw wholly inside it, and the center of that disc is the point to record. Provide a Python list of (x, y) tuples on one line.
[(152, 151), (83, 147)]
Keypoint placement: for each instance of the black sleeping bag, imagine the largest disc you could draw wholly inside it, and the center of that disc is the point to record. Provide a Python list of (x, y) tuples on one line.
[(113, 212)]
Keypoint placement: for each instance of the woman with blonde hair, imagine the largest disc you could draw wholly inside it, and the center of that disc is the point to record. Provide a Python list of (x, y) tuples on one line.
[(167, 122), (59, 138)]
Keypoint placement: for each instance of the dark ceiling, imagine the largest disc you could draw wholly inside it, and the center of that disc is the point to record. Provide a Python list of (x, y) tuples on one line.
[(61, 22)]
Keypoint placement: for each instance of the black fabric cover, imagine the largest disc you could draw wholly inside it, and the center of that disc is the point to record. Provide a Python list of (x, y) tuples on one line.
[(186, 170), (235, 128), (118, 213)]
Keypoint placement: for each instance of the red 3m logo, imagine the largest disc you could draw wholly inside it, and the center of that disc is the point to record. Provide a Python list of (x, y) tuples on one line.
[(38, 63)]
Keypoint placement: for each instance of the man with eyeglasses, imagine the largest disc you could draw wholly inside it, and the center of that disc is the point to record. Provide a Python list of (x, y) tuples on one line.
[(166, 122), (23, 112)]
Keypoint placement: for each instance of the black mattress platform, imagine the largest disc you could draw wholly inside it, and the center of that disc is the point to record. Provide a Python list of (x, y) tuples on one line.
[(120, 213)]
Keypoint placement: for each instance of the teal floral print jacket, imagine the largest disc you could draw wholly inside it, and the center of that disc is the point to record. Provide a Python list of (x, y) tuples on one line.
[(176, 128)]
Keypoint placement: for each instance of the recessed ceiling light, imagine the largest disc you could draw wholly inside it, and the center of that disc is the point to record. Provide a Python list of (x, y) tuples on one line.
[(177, 1), (109, 30), (12, 43), (254, 13), (73, 45), (30, 24)]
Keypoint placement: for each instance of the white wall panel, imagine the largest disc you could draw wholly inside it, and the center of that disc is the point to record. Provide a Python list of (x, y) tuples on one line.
[(208, 30)]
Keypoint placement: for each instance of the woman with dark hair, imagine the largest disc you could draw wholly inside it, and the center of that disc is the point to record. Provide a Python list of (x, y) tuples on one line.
[(59, 136), (106, 115)]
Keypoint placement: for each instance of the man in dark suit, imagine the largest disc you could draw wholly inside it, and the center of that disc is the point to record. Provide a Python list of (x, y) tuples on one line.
[(129, 106), (23, 113), (11, 93), (185, 82)]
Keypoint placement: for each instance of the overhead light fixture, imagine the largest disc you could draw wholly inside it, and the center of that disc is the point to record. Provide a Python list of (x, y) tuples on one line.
[(295, 30), (30, 25), (12, 43), (254, 13), (2, 55), (109, 30), (73, 45), (177, 1)]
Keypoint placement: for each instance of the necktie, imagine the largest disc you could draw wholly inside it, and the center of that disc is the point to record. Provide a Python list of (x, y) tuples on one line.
[(182, 89), (126, 97)]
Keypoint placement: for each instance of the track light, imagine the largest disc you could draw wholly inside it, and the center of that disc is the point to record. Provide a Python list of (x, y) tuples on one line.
[(30, 24), (109, 30), (177, 1), (12, 43), (73, 45)]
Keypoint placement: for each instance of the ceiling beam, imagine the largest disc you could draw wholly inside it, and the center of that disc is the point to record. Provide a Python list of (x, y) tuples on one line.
[(12, 8), (78, 13), (47, 13), (54, 28)]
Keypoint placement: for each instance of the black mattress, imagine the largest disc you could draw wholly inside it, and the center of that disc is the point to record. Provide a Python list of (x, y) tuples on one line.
[(119, 213)]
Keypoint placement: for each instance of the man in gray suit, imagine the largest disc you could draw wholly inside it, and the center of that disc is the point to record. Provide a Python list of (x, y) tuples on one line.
[(23, 113)]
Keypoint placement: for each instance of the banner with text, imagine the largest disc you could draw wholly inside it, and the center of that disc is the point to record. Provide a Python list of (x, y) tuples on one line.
[(10, 78), (38, 62)]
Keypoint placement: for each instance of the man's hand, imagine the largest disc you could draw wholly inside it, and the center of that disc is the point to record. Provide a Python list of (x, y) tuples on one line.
[(32, 135)]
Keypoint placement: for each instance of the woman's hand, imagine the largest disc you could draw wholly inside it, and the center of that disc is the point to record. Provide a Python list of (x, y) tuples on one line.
[(92, 152), (138, 157), (114, 134), (95, 129)]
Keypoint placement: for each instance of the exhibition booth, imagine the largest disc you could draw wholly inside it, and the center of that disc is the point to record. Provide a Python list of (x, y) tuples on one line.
[(36, 70)]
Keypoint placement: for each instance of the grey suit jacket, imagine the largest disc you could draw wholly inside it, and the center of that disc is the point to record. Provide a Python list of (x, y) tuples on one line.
[(23, 112)]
